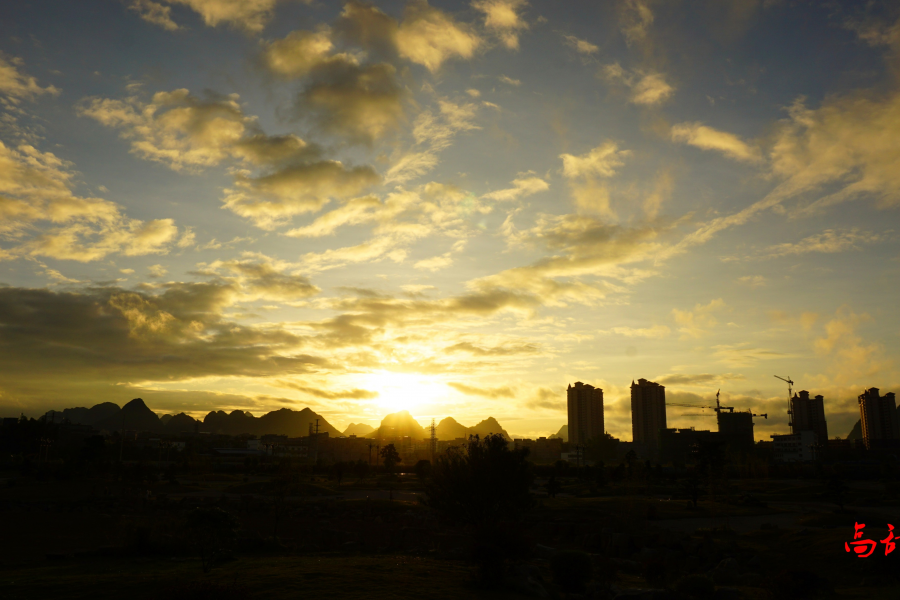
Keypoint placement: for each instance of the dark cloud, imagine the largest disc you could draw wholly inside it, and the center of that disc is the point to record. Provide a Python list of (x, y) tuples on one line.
[(54, 343), (700, 378), (496, 392), (353, 394)]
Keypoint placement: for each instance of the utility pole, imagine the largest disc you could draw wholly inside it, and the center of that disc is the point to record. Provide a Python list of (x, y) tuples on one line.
[(433, 441), (316, 454)]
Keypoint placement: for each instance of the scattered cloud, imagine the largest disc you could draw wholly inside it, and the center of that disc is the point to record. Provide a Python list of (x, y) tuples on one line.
[(648, 88), (707, 138), (502, 17), (524, 185), (752, 281), (697, 322), (156, 13), (510, 81), (656, 331), (489, 392), (696, 379), (429, 36), (581, 46), (16, 86)]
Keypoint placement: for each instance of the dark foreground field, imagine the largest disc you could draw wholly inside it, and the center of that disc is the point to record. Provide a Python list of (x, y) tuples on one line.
[(99, 538)]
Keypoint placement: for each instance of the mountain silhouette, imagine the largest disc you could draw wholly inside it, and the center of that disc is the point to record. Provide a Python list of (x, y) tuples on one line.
[(563, 433), (399, 424), (179, 423), (134, 416), (488, 426), (358, 429), (283, 421), (450, 429), (85, 416)]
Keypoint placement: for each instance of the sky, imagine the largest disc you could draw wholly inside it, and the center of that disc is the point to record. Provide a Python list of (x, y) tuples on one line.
[(451, 208)]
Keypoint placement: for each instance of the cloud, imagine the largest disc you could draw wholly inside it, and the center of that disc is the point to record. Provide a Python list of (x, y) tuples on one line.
[(105, 338), (17, 86), (602, 161), (697, 322), (359, 102), (852, 360), (433, 133), (635, 19), (271, 199), (282, 176), (429, 36), (352, 394), (752, 281), (156, 13), (250, 15), (508, 349), (547, 399), (648, 88), (41, 215), (829, 241), (260, 277), (525, 185), (656, 331), (510, 81), (503, 19), (696, 379), (300, 52), (469, 390), (744, 355), (590, 194), (581, 46), (847, 142), (707, 138), (158, 271)]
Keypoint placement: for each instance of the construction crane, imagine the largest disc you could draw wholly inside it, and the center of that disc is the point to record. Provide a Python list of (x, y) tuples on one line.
[(790, 395)]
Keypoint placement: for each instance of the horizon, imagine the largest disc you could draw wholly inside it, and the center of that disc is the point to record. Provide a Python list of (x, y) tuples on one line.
[(253, 206)]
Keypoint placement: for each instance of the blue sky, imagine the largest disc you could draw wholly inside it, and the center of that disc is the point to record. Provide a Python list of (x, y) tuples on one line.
[(455, 208)]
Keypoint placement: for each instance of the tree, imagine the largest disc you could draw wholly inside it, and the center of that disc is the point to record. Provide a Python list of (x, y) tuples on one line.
[(553, 486), (484, 485), (213, 531), (482, 482), (362, 469), (391, 457), (423, 469)]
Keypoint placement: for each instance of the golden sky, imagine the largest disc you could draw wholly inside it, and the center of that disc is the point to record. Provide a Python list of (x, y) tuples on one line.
[(453, 208)]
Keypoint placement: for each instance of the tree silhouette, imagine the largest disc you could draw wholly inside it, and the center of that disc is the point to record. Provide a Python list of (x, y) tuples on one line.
[(484, 485), (391, 457), (213, 531), (481, 482)]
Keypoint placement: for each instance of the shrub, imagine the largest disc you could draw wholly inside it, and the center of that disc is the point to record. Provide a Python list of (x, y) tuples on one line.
[(696, 586), (571, 570)]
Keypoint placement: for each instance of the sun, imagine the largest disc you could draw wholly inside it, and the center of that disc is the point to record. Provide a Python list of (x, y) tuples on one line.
[(403, 391)]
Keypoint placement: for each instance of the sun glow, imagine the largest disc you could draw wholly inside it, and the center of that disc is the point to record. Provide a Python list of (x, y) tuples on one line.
[(403, 391)]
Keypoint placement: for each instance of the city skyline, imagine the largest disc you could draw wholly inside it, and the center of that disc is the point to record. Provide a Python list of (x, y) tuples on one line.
[(450, 208)]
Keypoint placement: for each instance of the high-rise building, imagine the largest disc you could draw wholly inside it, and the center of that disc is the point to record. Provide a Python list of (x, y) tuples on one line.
[(648, 413), (737, 428), (879, 417), (808, 414), (585, 404)]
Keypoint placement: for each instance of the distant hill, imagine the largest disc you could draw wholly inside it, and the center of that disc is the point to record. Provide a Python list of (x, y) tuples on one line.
[(399, 424), (358, 429), (488, 426), (284, 421), (856, 432), (85, 416), (180, 423), (136, 416), (563, 433), (450, 429)]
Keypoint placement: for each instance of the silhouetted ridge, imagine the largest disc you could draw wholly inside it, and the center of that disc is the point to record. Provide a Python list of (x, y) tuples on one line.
[(450, 429), (358, 429), (399, 424), (563, 434), (180, 423), (283, 421)]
